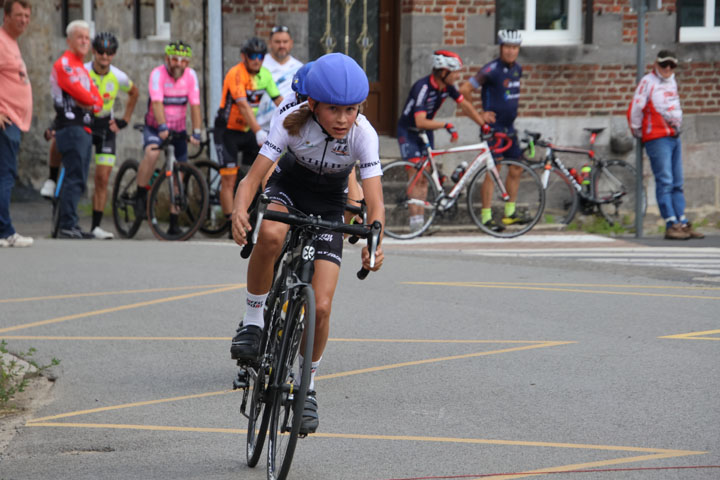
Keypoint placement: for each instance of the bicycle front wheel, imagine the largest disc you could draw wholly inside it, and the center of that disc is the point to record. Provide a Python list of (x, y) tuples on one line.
[(616, 193), (410, 197), (561, 198), (215, 223), (506, 218), (178, 203), (292, 382), (124, 200)]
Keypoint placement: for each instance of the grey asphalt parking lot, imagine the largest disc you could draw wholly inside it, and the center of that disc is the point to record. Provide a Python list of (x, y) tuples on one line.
[(442, 365)]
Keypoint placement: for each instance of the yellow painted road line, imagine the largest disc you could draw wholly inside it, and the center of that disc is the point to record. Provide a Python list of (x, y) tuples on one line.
[(225, 339), (576, 285), (129, 405), (435, 360), (119, 292), (401, 438), (695, 335), (117, 309), (568, 290)]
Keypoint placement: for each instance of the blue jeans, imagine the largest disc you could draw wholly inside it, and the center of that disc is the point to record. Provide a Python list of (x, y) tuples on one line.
[(75, 146), (666, 163), (9, 145)]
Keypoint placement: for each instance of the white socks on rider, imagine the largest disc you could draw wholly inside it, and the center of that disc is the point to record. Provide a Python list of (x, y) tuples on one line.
[(254, 310), (313, 370)]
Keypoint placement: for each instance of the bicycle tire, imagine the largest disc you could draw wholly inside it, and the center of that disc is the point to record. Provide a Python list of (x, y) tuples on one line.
[(530, 201), (124, 195), (396, 195), (289, 403), (191, 203), (215, 223), (261, 400), (561, 198), (615, 180)]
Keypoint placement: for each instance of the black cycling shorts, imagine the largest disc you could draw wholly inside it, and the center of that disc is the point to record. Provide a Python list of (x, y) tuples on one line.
[(235, 142), (104, 142), (289, 186)]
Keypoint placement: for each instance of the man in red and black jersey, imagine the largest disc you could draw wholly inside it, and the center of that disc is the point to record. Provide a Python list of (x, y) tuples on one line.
[(75, 98)]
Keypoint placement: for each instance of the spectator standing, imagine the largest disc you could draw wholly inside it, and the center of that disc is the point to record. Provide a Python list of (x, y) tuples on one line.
[(655, 117), (76, 98), (282, 66), (109, 80), (15, 112)]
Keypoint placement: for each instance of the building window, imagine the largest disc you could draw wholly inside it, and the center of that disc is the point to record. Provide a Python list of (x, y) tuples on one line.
[(162, 19), (699, 20), (543, 22)]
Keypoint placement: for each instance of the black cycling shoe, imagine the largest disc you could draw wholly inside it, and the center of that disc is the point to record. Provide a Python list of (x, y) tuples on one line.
[(246, 343), (310, 418), (495, 227)]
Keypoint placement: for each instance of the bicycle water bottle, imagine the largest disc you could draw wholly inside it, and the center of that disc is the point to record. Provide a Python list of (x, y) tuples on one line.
[(585, 174), (459, 172)]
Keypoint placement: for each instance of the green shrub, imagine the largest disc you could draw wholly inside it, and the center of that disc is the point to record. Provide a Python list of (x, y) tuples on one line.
[(13, 379)]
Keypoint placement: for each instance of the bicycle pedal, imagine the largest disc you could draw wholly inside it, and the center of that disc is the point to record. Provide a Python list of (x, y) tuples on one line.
[(241, 381)]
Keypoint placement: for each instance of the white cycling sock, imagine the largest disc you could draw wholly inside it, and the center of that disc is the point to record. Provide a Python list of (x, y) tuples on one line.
[(313, 370), (254, 310)]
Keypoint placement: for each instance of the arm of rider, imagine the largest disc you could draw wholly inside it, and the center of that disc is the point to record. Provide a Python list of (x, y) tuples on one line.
[(121, 123), (246, 190), (196, 120), (424, 123), (354, 196), (159, 112), (372, 187), (278, 100), (249, 116), (466, 89)]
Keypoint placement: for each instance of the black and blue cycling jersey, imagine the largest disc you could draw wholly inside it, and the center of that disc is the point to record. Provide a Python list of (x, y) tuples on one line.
[(500, 85), (426, 96)]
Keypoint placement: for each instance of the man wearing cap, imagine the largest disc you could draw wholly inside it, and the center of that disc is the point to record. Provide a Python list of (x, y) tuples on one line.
[(655, 117)]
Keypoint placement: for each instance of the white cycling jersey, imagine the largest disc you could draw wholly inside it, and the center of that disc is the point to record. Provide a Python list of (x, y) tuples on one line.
[(325, 155)]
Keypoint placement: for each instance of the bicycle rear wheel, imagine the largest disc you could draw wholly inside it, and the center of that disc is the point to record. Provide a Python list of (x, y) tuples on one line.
[(215, 223), (289, 402), (529, 201), (615, 190), (126, 219), (408, 192), (561, 199), (189, 202)]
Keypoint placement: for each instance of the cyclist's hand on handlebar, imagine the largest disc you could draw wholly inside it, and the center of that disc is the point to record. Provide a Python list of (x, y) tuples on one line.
[(379, 257), (164, 134), (240, 226), (452, 131)]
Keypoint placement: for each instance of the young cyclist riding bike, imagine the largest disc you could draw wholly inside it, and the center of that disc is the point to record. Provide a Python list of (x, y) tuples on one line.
[(323, 139), (172, 86)]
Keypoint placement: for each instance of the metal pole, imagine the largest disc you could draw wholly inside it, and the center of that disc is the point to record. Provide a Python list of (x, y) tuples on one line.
[(215, 53), (641, 9)]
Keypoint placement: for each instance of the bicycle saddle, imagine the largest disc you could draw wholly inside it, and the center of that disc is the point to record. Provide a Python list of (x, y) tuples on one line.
[(594, 130), (534, 135)]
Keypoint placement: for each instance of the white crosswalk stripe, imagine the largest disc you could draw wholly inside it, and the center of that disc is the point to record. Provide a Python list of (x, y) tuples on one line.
[(705, 261)]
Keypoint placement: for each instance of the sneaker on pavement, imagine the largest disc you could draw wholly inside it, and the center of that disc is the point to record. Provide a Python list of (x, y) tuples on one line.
[(102, 234), (676, 231), (246, 343), (688, 228), (310, 419), (490, 224), (16, 240), (520, 219), (48, 188), (74, 233)]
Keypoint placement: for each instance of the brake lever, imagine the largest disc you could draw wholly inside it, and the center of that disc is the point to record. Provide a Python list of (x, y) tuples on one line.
[(373, 242)]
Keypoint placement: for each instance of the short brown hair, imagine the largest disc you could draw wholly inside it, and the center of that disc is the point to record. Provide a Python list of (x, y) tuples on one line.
[(9, 4)]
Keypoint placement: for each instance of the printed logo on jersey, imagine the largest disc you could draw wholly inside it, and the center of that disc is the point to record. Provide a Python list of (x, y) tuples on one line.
[(273, 146), (341, 147)]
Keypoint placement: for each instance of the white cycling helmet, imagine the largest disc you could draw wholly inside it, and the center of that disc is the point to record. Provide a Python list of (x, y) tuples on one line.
[(445, 59), (510, 37)]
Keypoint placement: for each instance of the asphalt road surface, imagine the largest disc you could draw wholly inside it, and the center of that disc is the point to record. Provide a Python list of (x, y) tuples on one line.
[(577, 356)]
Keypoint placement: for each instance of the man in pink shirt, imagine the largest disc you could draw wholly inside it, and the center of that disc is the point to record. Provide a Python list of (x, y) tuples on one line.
[(15, 112)]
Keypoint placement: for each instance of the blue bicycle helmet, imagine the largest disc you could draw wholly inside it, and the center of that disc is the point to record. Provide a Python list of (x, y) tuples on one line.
[(298, 81), (338, 80)]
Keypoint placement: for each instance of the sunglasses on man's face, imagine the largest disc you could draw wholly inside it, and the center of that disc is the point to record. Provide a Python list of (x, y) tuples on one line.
[(255, 56), (102, 51), (672, 65)]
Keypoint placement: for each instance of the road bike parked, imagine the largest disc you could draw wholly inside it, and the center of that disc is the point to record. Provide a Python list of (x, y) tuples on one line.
[(411, 189), (605, 187), (275, 387), (177, 201)]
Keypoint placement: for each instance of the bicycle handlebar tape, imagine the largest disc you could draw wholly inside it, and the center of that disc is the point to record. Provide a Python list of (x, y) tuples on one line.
[(452, 131), (363, 273)]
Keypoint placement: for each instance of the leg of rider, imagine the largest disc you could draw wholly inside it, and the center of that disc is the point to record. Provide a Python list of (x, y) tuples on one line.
[(324, 282), (418, 191), (512, 183), (54, 161), (227, 184), (486, 193), (102, 176)]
